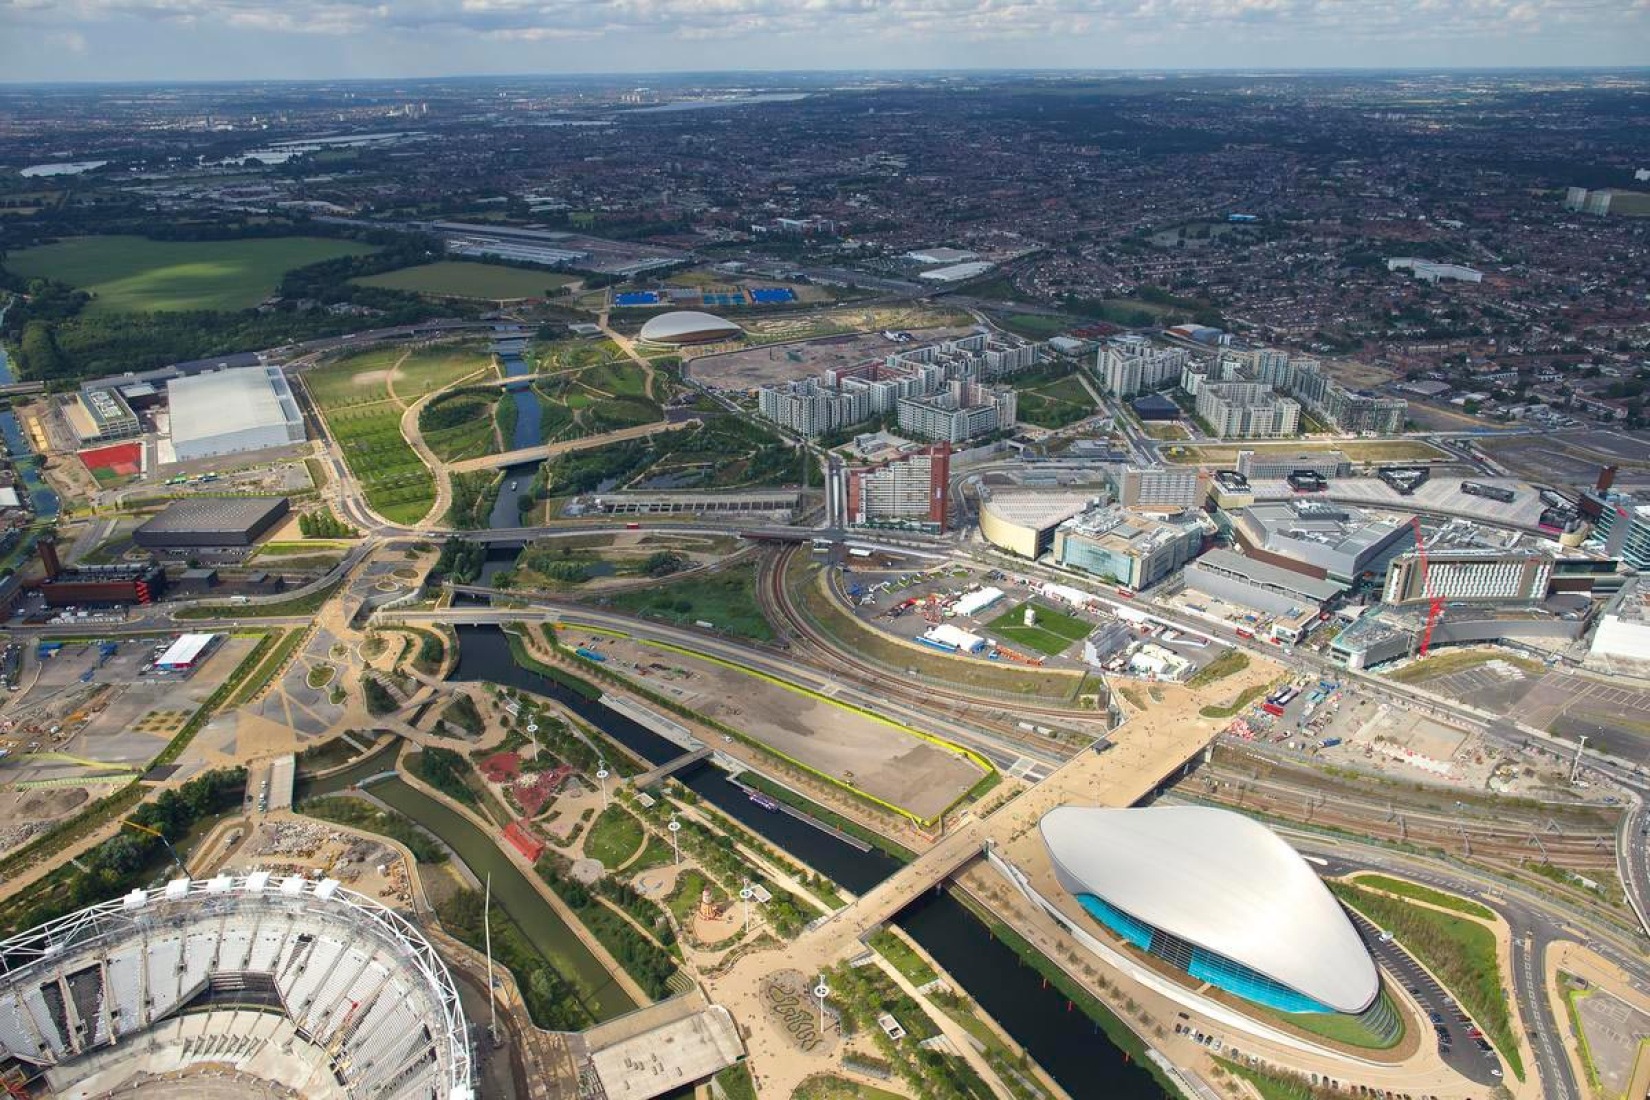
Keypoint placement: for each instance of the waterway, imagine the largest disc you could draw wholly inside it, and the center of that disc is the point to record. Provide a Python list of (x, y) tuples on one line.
[(528, 432), (512, 892), (22, 453), (1059, 1036)]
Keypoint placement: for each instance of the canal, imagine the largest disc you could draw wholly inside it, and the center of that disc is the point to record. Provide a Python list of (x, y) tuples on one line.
[(527, 431), (22, 454), (1070, 1046), (541, 925)]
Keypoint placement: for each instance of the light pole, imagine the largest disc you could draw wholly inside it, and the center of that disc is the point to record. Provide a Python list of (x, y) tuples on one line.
[(601, 774), (675, 828), (745, 895), (821, 991), (533, 732)]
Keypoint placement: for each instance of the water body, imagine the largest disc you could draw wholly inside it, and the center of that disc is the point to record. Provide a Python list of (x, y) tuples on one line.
[(23, 457), (62, 168), (714, 104), (512, 892), (1062, 1039)]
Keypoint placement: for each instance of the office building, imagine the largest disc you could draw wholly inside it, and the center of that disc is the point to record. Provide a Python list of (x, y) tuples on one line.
[(1158, 487), (231, 412), (1276, 463), (100, 416), (1132, 550), (910, 490)]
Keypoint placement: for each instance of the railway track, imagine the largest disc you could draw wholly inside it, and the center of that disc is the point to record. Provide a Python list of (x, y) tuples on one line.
[(959, 705)]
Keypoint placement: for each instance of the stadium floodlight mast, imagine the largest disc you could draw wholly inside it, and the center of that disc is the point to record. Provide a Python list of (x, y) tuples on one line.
[(675, 828), (601, 774)]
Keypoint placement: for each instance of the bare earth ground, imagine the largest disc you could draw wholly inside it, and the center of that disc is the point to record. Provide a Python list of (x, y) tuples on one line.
[(760, 366), (880, 760)]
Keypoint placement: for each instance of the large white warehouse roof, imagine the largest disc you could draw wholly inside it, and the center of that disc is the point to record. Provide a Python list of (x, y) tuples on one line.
[(1220, 881), (227, 411)]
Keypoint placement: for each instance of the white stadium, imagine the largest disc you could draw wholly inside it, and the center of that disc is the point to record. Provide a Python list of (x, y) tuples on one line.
[(250, 986), (688, 326)]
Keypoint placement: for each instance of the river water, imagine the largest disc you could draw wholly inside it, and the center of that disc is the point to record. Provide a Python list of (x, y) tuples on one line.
[(1060, 1037), (17, 446), (527, 432)]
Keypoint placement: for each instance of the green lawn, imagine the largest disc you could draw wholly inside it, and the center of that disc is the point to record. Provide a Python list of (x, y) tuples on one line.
[(1230, 663), (1461, 953), (135, 274), (458, 279), (1054, 404), (726, 599), (428, 369), (1036, 326), (1427, 894), (1053, 633), (354, 399), (899, 953), (614, 836), (1236, 706)]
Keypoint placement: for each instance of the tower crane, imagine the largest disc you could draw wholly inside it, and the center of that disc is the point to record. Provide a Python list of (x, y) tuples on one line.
[(1435, 602)]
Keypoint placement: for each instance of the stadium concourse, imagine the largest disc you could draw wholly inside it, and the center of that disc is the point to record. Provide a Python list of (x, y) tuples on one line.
[(289, 986)]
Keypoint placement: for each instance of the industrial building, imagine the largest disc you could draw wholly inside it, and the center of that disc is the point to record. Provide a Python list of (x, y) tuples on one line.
[(913, 489), (1275, 462), (100, 416), (1023, 523), (208, 522), (185, 654), (1132, 550), (957, 273), (1319, 539), (1221, 898), (231, 412), (1427, 271), (1247, 410)]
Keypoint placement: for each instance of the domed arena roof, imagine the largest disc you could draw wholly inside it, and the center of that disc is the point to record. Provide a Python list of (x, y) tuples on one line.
[(1221, 881), (689, 326)]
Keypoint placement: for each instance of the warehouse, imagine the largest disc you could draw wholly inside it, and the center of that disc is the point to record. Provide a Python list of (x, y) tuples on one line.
[(953, 639), (972, 603), (185, 653), (211, 522), (231, 412)]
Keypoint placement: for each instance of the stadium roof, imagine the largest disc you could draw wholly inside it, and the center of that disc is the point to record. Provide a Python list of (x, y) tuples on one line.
[(222, 401), (1038, 510), (688, 326), (1221, 881)]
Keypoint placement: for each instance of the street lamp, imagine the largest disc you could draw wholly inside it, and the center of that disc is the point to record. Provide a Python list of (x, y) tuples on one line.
[(533, 731), (601, 774), (821, 991), (745, 895), (675, 840)]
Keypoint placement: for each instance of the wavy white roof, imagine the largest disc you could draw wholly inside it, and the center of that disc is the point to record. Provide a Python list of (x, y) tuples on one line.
[(687, 323), (1223, 882)]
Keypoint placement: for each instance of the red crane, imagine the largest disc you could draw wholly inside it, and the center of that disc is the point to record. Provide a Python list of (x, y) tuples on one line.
[(1435, 603)]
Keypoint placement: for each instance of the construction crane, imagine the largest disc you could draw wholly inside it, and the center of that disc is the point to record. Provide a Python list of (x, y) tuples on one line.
[(169, 849), (1435, 603)]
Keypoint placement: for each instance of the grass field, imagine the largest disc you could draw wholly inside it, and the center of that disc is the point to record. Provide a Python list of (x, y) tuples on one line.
[(1427, 894), (1357, 450), (1230, 663), (354, 398), (1036, 326), (588, 387), (1053, 633), (614, 836), (1457, 660), (1056, 403), (137, 275), (457, 279), (727, 599)]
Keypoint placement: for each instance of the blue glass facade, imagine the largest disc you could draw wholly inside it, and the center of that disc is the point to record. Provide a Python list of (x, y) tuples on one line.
[(1202, 964)]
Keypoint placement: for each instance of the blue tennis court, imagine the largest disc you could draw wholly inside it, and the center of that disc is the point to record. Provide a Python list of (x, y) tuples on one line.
[(772, 295), (636, 298), (720, 299)]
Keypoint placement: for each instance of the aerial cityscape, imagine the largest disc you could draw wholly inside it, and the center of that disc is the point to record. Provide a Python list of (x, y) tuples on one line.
[(993, 580)]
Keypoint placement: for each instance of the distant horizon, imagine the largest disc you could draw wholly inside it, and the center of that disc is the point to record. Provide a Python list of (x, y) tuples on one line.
[(1007, 71), (235, 41)]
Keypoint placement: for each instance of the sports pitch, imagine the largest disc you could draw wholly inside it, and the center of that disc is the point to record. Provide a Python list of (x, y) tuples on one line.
[(457, 279), (136, 275), (1053, 633)]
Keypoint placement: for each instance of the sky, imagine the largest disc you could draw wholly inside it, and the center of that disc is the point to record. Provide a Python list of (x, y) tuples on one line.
[(172, 40)]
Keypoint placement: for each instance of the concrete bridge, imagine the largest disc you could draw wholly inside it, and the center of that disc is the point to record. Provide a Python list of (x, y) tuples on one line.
[(671, 767)]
